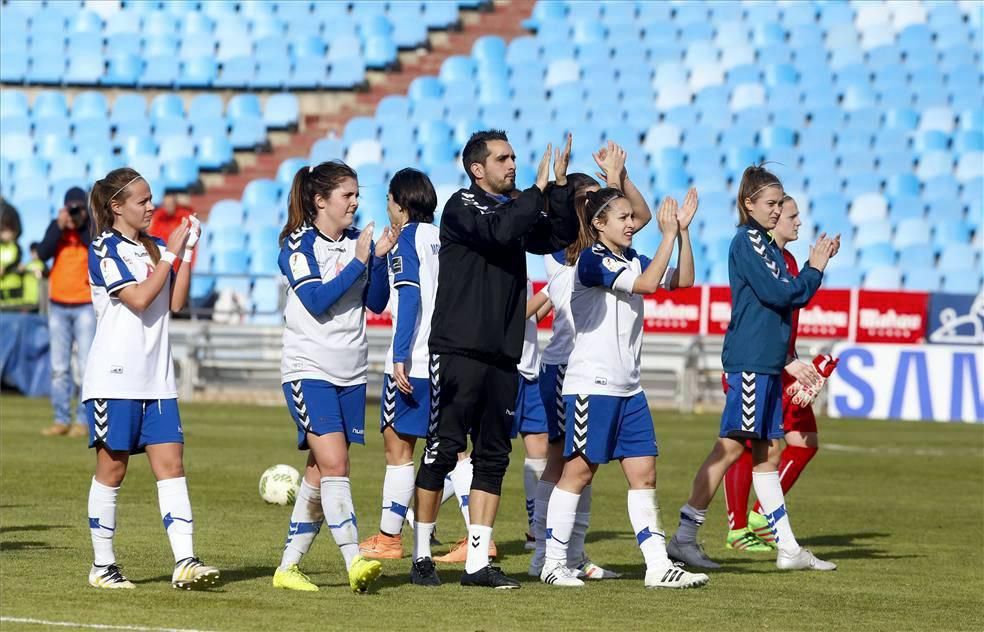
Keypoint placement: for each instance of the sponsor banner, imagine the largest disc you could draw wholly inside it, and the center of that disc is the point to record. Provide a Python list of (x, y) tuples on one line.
[(956, 319), (379, 320), (718, 310), (827, 316), (913, 382), (676, 312), (893, 317)]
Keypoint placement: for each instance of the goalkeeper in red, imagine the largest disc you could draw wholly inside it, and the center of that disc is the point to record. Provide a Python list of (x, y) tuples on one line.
[(801, 380), (763, 296)]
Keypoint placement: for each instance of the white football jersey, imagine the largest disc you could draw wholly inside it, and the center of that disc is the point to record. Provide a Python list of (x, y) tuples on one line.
[(130, 357), (413, 262), (608, 320), (529, 362), (332, 346), (558, 350)]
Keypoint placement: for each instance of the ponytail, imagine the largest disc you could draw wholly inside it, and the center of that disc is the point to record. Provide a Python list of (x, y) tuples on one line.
[(115, 187), (593, 205), (580, 183), (309, 182), (754, 180)]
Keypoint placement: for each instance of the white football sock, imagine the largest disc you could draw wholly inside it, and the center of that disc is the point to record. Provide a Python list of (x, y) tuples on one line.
[(575, 550), (644, 516), (172, 496), (769, 492), (532, 471), (336, 501), (102, 521), (560, 523), (691, 519), (448, 489), (422, 532), (305, 523), (397, 494), (542, 501), (479, 537), (461, 476)]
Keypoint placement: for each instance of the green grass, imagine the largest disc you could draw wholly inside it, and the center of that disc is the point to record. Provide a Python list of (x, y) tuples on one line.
[(899, 506)]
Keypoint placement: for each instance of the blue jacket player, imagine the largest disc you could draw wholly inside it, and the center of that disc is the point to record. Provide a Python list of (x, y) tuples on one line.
[(334, 273), (763, 295), (128, 388)]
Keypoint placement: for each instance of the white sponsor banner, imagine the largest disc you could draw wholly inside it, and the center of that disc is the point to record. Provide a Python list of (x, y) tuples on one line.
[(916, 382)]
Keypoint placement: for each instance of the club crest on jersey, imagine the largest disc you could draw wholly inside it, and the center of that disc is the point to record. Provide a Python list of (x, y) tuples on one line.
[(299, 266), (110, 272), (612, 265), (396, 265)]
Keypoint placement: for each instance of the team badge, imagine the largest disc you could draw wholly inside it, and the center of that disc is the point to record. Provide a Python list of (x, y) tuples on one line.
[(611, 264), (299, 266), (110, 272)]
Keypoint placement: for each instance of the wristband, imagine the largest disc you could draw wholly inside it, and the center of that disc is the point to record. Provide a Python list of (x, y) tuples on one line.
[(168, 257), (188, 254)]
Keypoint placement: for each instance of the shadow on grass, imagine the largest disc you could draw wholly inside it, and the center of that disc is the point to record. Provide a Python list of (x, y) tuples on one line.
[(840, 539), (228, 576), (31, 527), (8, 547)]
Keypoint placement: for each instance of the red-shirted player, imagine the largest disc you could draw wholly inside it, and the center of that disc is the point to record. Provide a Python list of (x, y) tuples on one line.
[(751, 532)]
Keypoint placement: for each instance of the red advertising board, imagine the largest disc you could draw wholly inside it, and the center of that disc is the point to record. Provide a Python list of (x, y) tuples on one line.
[(718, 310), (676, 312), (896, 317), (827, 316), (859, 315)]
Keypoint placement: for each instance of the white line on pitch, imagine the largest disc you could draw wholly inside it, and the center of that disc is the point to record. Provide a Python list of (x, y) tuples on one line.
[(838, 447), (94, 626)]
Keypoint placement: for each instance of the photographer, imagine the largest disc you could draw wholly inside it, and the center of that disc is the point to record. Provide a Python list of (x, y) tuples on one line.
[(71, 318)]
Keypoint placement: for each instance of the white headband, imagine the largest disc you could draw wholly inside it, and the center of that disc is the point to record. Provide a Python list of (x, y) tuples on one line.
[(604, 206), (765, 186), (124, 186)]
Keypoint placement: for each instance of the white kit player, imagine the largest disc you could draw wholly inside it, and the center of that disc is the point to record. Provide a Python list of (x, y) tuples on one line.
[(406, 405), (128, 388), (334, 273), (608, 416)]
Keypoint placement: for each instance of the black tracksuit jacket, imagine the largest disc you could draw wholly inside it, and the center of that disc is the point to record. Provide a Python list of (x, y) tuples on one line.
[(480, 309)]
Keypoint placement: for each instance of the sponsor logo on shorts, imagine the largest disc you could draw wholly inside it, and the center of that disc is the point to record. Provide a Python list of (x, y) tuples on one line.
[(357, 431)]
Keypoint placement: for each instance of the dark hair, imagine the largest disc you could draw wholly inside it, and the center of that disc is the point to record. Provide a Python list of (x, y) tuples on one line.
[(754, 180), (412, 191), (586, 234), (308, 182), (115, 187), (477, 149), (579, 182)]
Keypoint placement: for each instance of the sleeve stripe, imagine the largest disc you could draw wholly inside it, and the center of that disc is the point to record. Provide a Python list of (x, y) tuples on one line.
[(615, 278), (119, 286), (304, 281), (402, 283)]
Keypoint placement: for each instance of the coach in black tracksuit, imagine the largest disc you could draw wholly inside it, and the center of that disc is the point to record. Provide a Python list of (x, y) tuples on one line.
[(477, 335)]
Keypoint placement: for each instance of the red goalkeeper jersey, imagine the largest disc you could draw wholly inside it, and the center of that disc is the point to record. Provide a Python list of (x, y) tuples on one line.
[(793, 271)]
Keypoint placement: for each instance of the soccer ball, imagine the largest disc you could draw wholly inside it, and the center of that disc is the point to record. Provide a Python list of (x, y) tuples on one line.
[(279, 485)]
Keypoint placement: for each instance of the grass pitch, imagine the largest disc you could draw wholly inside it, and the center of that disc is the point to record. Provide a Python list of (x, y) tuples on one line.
[(898, 506)]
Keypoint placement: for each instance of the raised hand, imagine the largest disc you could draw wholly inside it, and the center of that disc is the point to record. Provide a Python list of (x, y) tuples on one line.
[(561, 160), (363, 243), (686, 213), (387, 240), (611, 160), (666, 216), (543, 169), (195, 231), (821, 252), (179, 238)]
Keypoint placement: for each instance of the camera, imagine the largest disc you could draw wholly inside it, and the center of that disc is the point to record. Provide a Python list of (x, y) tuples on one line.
[(75, 211)]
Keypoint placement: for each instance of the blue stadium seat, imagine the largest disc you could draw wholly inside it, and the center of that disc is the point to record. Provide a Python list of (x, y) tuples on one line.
[(214, 152), (922, 280), (957, 258), (260, 193), (247, 133), (957, 283), (226, 213), (882, 277)]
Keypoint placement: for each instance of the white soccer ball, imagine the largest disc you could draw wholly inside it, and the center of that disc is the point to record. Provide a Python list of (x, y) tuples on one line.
[(279, 485)]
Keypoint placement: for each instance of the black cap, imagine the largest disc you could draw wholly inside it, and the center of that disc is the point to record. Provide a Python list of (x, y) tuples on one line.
[(75, 196)]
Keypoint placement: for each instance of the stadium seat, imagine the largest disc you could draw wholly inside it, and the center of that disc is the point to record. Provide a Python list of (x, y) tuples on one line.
[(882, 278), (957, 283)]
